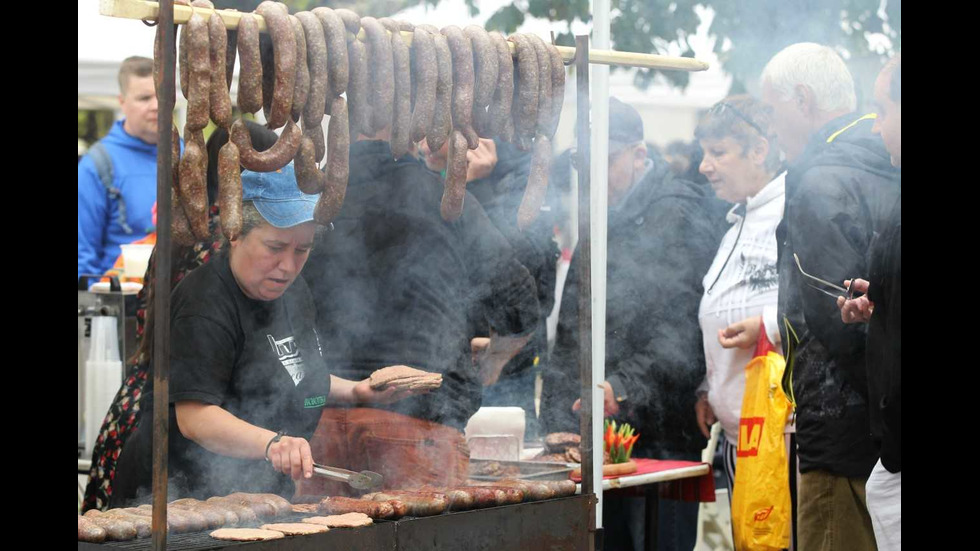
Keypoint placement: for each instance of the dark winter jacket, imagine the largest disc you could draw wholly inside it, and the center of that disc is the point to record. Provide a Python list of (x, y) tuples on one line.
[(393, 283), (838, 194), (885, 342), (660, 244)]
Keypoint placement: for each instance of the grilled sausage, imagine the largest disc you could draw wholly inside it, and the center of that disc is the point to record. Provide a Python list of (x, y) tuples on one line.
[(90, 532), (143, 525), (230, 190), (116, 529), (284, 55), (182, 521), (316, 58), (562, 488), (382, 77), (543, 125), (341, 505), (357, 89), (462, 59), (301, 89), (525, 116), (271, 159), (193, 182), (250, 75), (281, 505), (426, 71), (245, 514), (486, 65), (455, 190), (315, 133), (213, 518), (219, 99), (442, 123), (308, 175), (352, 21), (229, 516), (199, 85), (533, 491), (557, 88), (335, 38), (417, 504), (401, 122), (503, 95), (537, 183)]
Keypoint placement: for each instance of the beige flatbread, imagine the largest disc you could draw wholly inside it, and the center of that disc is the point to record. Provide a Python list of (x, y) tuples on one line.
[(296, 528), (245, 534), (347, 520), (304, 508), (382, 377)]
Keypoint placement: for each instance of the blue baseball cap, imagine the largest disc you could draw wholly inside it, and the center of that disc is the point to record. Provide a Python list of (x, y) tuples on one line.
[(277, 197)]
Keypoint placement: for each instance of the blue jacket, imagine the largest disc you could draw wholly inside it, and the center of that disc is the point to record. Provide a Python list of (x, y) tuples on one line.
[(134, 169)]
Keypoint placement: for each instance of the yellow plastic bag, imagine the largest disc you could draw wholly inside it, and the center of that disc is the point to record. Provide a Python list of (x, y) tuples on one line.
[(761, 509)]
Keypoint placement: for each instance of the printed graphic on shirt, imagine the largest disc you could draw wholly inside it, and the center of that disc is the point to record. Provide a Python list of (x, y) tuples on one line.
[(289, 355), (762, 276), (315, 402)]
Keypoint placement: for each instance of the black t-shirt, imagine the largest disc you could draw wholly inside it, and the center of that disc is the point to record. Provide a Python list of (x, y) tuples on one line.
[(259, 360)]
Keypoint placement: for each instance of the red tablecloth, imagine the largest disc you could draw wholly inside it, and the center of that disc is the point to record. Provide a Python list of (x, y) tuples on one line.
[(699, 488)]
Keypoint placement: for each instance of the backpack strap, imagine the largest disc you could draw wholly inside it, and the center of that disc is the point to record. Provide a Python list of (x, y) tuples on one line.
[(103, 165)]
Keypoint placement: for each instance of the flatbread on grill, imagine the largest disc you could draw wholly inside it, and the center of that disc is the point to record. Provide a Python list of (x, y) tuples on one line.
[(347, 520), (246, 534), (296, 528)]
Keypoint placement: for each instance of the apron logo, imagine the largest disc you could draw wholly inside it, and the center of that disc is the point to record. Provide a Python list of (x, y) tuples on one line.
[(749, 436), (315, 402), (288, 353)]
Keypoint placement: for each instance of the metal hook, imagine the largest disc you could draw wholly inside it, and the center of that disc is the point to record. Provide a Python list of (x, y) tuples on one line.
[(150, 22)]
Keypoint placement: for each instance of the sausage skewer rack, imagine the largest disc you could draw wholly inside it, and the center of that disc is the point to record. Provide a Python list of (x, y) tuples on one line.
[(548, 524)]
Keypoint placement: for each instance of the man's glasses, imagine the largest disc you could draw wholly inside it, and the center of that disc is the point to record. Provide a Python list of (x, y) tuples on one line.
[(723, 107)]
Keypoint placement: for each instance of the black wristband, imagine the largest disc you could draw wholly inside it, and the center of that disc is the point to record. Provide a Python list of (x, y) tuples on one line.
[(275, 439)]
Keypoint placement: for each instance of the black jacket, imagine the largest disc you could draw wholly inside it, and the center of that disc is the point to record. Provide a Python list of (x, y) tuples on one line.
[(838, 194), (500, 195), (393, 282), (660, 245), (885, 342)]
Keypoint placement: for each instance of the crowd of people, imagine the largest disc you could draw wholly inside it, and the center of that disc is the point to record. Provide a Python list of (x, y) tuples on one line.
[(280, 333)]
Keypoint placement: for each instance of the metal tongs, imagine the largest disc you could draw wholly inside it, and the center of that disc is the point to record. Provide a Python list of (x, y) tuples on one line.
[(364, 480), (824, 286)]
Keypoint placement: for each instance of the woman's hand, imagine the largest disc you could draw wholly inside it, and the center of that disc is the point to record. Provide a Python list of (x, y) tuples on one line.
[(741, 334), (706, 415), (856, 310), (291, 456)]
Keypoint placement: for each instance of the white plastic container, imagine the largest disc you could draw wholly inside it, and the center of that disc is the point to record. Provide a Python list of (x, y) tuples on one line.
[(103, 371)]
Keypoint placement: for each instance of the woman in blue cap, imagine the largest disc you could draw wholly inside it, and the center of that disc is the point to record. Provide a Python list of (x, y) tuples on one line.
[(247, 379)]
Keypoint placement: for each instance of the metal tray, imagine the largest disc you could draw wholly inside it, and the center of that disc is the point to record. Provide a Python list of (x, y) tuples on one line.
[(527, 470)]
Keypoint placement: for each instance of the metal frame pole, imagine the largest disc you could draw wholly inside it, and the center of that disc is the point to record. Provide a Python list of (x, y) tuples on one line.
[(166, 96)]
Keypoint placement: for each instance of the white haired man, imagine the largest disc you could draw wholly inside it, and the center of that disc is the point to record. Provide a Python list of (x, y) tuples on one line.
[(840, 189)]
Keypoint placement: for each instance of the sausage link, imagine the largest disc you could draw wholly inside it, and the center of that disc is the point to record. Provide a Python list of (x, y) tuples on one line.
[(143, 525), (417, 504), (357, 89), (352, 21), (338, 138), (525, 116), (401, 123), (250, 74), (180, 227), (308, 175), (184, 521), (212, 516), (199, 85), (426, 71), (271, 159), (183, 63), (284, 55), (455, 190), (543, 125), (537, 183), (281, 505), (442, 123), (341, 505), (462, 59), (301, 89), (193, 182), (219, 99), (382, 76), (230, 190), (335, 37), (116, 529), (245, 514), (486, 65), (557, 88), (316, 57), (229, 517), (90, 532), (315, 133), (503, 95)]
